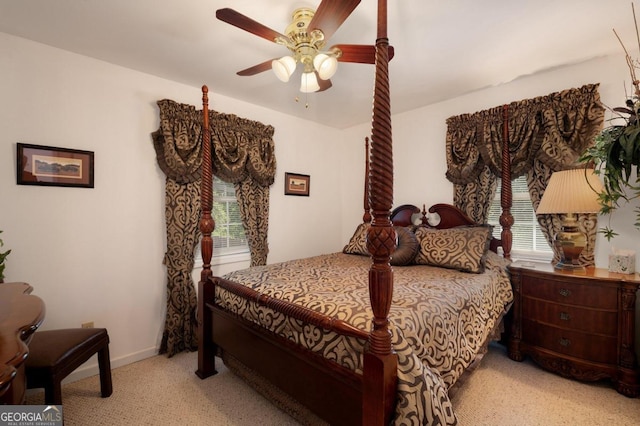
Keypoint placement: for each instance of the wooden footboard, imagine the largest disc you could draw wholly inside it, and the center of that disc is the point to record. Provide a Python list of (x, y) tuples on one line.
[(331, 391)]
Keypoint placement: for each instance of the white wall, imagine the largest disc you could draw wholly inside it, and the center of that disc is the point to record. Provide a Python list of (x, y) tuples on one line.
[(419, 141), (96, 254)]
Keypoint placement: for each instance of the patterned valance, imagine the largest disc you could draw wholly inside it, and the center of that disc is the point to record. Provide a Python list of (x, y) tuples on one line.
[(241, 147), (178, 141), (555, 128)]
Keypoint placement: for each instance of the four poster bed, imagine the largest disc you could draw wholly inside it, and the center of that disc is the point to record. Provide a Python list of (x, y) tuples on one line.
[(351, 337)]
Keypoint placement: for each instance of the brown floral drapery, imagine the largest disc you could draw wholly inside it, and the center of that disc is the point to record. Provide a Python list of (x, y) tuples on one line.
[(243, 153), (544, 135)]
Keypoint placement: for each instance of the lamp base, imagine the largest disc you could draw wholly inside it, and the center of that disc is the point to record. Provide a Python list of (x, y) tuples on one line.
[(568, 266), (570, 242)]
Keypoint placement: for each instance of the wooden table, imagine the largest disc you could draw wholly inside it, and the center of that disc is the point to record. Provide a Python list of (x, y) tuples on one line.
[(20, 315)]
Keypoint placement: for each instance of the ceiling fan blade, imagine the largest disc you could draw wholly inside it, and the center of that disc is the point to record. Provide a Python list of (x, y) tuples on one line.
[(256, 69), (243, 22), (331, 14), (324, 84), (360, 53)]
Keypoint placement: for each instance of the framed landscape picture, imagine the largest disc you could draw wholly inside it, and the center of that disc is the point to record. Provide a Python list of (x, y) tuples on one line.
[(51, 166), (296, 184)]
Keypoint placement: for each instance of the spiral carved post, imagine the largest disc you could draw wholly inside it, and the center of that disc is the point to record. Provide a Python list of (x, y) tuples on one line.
[(366, 217), (206, 354), (506, 198), (380, 362), (207, 224)]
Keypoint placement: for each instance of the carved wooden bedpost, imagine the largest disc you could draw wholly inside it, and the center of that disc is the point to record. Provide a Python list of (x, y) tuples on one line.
[(206, 355), (380, 362), (506, 198), (366, 217)]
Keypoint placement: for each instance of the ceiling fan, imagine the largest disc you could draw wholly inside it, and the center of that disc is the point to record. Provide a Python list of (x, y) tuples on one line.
[(306, 37)]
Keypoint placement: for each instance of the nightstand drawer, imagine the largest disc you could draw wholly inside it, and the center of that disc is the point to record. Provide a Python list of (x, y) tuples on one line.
[(573, 343), (571, 293), (572, 317)]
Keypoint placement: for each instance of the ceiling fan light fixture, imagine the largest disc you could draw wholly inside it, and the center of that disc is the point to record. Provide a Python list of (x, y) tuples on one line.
[(325, 65), (309, 82), (283, 67)]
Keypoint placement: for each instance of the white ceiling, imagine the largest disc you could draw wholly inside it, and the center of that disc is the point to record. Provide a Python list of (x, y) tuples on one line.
[(443, 49)]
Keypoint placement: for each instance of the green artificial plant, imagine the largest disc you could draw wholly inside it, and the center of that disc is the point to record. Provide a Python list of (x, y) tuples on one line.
[(616, 152)]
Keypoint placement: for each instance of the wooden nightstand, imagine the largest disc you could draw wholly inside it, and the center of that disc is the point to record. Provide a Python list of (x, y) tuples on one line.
[(579, 324)]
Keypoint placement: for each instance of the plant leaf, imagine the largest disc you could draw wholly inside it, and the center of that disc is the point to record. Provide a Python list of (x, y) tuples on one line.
[(628, 141), (608, 233)]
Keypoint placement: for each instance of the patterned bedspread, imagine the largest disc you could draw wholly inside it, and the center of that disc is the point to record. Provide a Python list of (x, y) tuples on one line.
[(440, 319)]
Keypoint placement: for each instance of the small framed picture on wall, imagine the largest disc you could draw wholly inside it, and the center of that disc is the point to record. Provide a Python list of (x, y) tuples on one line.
[(296, 184), (51, 166)]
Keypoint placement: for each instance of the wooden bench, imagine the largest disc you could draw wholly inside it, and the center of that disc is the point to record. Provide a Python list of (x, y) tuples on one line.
[(54, 354)]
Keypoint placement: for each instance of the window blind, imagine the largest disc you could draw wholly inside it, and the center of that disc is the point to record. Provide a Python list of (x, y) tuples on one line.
[(228, 236), (527, 236)]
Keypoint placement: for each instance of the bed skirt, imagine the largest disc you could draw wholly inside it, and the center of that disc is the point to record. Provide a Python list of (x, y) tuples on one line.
[(272, 393), (305, 416)]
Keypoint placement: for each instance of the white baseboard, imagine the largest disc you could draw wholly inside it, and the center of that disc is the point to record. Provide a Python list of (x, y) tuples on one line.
[(90, 368)]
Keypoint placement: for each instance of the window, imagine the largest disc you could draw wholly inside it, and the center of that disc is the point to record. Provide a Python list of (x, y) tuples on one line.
[(528, 240), (228, 237)]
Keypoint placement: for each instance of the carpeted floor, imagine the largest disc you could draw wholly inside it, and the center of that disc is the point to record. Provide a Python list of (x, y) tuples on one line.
[(504, 392), (165, 391)]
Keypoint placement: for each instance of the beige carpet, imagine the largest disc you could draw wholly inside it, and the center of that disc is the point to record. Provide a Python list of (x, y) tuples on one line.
[(165, 391), (504, 392)]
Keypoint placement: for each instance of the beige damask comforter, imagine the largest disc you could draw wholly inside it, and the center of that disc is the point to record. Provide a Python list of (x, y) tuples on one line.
[(440, 319)]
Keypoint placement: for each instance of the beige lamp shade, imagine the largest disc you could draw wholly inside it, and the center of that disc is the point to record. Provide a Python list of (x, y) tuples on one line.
[(571, 191)]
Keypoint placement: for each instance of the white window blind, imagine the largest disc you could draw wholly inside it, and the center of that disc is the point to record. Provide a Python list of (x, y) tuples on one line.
[(228, 237), (528, 240)]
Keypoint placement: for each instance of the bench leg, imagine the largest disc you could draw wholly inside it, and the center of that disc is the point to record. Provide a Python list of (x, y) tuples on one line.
[(106, 388), (53, 393)]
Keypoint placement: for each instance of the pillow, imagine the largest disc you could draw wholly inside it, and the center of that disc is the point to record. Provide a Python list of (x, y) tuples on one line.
[(407, 247), (403, 255), (462, 248), (358, 242)]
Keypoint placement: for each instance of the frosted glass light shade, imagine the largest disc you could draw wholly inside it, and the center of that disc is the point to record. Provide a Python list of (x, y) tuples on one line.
[(571, 191), (309, 82), (283, 67), (325, 65)]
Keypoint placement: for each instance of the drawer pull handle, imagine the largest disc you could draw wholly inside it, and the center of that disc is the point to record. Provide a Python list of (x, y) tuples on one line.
[(565, 316), (564, 342), (564, 292)]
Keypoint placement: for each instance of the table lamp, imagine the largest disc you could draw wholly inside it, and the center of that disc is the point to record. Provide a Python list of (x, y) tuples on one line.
[(570, 192)]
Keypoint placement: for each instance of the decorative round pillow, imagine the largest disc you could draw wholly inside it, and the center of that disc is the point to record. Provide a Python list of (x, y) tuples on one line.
[(407, 249)]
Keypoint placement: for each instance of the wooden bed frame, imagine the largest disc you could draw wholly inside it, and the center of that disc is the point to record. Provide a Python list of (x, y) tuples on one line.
[(334, 393)]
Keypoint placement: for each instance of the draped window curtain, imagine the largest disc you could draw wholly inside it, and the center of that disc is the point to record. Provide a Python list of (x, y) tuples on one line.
[(243, 154), (545, 134)]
